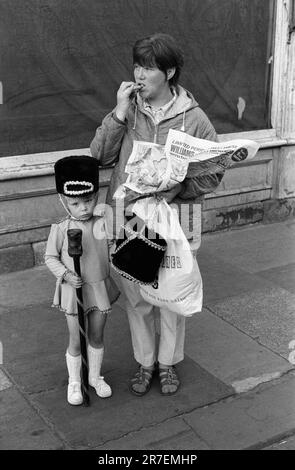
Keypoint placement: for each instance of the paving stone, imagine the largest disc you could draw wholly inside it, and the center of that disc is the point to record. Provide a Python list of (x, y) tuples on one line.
[(248, 421), (173, 434), (290, 226), (112, 418), (20, 426), (28, 287), (283, 276), (255, 248), (283, 444), (38, 367), (266, 315), (1, 352), (222, 279), (34, 344), (4, 381), (229, 354)]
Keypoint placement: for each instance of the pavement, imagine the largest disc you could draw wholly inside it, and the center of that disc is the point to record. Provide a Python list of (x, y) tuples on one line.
[(238, 380)]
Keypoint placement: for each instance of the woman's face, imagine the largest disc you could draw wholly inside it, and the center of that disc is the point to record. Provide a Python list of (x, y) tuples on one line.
[(152, 80)]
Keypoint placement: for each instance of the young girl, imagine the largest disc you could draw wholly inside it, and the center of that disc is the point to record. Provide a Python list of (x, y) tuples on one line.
[(76, 180)]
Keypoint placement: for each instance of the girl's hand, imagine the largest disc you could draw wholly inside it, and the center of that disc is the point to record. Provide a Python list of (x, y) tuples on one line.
[(111, 247), (74, 280), (170, 194), (124, 96)]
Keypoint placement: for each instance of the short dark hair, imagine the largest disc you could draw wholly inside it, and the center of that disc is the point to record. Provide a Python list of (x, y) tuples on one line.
[(160, 50)]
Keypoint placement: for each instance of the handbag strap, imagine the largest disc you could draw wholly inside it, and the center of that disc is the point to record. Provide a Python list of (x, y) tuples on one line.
[(151, 218)]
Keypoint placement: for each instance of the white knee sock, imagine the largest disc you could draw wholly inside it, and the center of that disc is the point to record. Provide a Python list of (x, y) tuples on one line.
[(95, 357), (74, 367)]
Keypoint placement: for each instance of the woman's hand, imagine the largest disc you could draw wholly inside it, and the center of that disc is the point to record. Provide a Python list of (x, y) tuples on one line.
[(171, 193), (124, 95), (73, 279)]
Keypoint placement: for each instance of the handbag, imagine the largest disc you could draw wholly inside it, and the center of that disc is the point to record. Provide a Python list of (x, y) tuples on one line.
[(138, 254)]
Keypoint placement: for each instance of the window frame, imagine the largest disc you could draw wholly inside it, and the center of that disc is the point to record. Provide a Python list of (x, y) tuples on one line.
[(281, 133)]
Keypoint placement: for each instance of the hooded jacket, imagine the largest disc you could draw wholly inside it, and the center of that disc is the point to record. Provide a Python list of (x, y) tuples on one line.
[(113, 142)]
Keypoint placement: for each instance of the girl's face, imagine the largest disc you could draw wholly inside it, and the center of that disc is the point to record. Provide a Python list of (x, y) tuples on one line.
[(154, 82), (81, 207)]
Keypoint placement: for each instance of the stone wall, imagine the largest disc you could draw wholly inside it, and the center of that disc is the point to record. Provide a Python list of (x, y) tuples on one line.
[(260, 191)]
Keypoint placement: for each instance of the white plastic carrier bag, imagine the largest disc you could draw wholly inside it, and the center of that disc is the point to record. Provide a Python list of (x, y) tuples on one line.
[(178, 287)]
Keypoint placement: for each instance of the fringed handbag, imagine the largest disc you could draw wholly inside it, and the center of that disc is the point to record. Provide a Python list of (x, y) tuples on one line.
[(138, 254)]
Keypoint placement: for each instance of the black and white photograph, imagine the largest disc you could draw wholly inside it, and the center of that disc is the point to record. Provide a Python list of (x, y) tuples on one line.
[(147, 231)]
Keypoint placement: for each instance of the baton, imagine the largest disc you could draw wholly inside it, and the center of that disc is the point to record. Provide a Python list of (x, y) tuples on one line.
[(75, 251)]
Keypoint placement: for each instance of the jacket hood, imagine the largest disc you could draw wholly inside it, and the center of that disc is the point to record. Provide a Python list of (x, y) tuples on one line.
[(184, 102)]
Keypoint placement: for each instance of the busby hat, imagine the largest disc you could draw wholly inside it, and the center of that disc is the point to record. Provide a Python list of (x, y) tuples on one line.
[(77, 175)]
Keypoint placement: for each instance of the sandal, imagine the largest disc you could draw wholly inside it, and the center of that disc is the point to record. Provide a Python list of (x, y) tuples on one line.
[(168, 377), (141, 382)]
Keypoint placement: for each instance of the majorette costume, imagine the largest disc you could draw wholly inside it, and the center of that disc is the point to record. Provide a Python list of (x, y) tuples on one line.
[(77, 176)]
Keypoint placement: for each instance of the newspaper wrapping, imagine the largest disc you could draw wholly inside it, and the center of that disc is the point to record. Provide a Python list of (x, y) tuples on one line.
[(152, 168)]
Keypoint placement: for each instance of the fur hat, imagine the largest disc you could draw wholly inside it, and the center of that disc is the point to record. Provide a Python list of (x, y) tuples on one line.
[(77, 175)]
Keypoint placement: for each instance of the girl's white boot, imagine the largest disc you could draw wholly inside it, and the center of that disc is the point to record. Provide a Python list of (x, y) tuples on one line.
[(95, 356), (74, 394)]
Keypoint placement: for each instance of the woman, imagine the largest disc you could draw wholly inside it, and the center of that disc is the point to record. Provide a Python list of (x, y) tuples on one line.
[(146, 109)]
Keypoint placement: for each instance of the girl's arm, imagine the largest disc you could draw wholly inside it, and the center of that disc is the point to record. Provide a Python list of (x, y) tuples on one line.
[(52, 258), (53, 252), (197, 186), (106, 144), (207, 178)]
